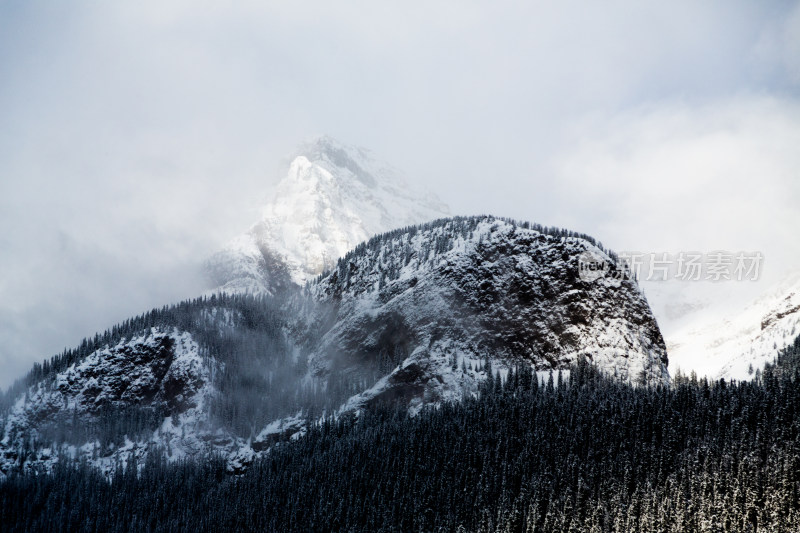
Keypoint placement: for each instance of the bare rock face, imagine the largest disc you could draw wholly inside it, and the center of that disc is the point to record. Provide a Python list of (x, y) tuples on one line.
[(432, 305)]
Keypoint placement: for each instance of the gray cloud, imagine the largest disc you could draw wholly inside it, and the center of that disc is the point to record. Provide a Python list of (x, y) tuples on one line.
[(138, 137)]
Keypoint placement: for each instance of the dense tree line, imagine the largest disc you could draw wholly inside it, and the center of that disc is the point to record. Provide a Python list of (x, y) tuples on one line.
[(589, 455)]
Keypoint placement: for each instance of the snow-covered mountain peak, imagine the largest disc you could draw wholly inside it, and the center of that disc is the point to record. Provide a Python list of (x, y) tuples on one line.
[(332, 197), (334, 156)]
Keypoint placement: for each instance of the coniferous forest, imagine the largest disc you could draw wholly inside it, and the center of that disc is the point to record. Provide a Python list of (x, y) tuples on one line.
[(582, 454)]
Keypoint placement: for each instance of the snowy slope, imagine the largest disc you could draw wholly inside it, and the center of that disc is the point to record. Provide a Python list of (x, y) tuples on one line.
[(332, 197), (728, 344)]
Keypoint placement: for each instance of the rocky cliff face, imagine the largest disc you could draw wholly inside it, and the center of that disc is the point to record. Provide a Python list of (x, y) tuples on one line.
[(418, 316), (153, 388), (431, 306)]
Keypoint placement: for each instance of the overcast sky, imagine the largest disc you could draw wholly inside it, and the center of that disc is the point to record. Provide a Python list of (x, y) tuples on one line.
[(137, 137)]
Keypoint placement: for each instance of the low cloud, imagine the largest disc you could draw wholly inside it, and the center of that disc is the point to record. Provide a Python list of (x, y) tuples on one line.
[(674, 176)]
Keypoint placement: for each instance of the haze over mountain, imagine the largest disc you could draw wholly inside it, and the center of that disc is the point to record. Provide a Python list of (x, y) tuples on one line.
[(333, 197)]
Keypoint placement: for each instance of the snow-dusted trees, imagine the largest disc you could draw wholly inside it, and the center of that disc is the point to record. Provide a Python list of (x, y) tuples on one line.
[(588, 455)]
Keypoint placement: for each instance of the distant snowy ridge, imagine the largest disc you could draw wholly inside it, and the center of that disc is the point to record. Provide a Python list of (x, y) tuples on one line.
[(333, 197), (738, 344)]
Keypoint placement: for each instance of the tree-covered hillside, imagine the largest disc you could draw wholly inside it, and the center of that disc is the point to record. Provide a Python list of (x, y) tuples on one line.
[(589, 454)]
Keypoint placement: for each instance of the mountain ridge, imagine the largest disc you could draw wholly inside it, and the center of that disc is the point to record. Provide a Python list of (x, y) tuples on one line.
[(417, 316)]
